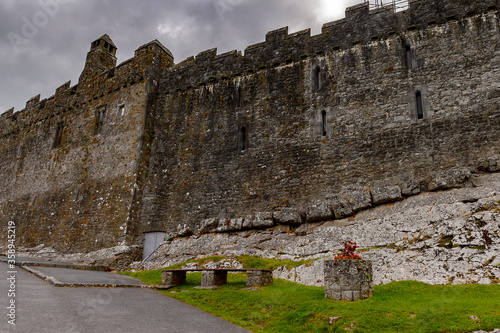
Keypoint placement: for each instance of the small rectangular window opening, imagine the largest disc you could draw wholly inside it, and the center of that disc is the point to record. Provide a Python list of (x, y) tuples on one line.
[(243, 139), (409, 58), (317, 78), (121, 110), (420, 108), (323, 123), (58, 137), (99, 119)]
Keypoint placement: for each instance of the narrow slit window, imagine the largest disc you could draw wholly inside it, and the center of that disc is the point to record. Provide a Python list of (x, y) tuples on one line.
[(409, 58), (121, 110), (243, 138), (58, 137), (99, 120), (317, 78), (420, 107), (323, 123)]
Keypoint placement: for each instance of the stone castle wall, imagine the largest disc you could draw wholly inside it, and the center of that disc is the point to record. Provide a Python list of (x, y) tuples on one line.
[(77, 194), (306, 128), (299, 129)]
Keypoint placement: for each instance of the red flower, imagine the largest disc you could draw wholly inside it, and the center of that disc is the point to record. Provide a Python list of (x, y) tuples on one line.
[(348, 251)]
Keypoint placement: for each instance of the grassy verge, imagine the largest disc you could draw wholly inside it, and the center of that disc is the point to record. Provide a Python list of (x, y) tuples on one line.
[(396, 307), (154, 276)]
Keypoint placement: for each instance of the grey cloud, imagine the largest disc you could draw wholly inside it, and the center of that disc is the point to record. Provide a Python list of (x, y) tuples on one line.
[(56, 52)]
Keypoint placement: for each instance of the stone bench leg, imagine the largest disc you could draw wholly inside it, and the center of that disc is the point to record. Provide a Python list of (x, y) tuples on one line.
[(173, 279), (259, 278), (213, 278)]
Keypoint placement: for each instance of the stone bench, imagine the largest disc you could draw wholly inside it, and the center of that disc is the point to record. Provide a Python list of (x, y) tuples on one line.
[(211, 278)]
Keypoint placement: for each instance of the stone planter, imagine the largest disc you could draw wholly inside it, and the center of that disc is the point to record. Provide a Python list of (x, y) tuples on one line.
[(348, 279)]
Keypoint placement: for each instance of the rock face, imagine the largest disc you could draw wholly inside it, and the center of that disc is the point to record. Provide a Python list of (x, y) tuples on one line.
[(348, 280), (448, 179), (435, 237)]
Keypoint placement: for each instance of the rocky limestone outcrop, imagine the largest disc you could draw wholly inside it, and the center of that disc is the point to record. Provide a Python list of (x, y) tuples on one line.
[(436, 237), (338, 206)]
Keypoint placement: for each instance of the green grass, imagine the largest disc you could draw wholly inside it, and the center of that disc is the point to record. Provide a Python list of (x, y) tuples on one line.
[(264, 263), (289, 307)]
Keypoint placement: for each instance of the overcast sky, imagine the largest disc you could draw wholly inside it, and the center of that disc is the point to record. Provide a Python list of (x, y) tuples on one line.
[(43, 43)]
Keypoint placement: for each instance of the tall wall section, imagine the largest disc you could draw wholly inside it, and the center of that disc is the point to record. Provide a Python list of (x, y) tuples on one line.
[(70, 163), (377, 99)]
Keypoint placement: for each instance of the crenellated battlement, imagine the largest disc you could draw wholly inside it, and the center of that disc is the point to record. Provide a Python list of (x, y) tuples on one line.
[(359, 27), (67, 97)]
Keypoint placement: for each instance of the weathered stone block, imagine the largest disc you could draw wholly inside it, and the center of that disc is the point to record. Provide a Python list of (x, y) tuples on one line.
[(184, 231), (173, 278), (213, 278), (209, 225), (386, 194), (411, 188), (248, 222), (491, 164), (359, 200), (288, 215), (448, 179), (347, 295), (235, 224), (223, 225), (263, 220), (318, 212), (336, 295), (349, 280), (170, 236), (341, 207), (259, 278)]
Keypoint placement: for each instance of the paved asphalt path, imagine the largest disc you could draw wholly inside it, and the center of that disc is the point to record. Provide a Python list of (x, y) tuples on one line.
[(71, 276), (43, 308)]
